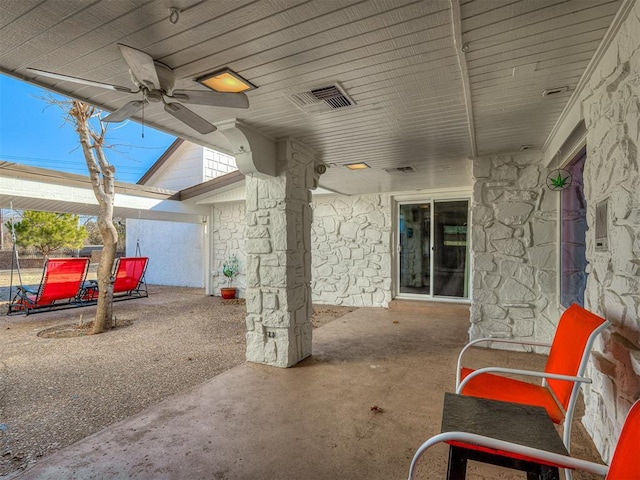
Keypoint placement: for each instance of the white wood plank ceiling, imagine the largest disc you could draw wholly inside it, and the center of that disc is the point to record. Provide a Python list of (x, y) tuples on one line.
[(420, 101)]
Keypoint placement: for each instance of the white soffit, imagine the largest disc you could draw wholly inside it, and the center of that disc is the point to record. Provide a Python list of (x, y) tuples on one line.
[(415, 102)]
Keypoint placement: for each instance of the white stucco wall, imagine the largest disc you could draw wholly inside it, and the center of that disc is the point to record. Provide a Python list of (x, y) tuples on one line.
[(174, 249), (351, 250)]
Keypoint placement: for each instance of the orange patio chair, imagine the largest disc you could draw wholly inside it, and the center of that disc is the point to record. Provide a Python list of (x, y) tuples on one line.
[(61, 283), (562, 376), (625, 464)]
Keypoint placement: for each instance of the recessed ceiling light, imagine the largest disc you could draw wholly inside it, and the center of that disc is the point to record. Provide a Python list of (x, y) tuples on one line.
[(524, 71), (357, 166), (225, 80)]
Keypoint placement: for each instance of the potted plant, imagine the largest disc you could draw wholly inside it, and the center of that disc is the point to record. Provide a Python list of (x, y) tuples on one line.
[(230, 269)]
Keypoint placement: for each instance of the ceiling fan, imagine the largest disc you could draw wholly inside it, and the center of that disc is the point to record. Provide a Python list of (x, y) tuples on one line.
[(156, 81)]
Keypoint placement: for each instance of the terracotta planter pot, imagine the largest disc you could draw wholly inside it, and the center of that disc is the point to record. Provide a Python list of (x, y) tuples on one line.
[(228, 293)]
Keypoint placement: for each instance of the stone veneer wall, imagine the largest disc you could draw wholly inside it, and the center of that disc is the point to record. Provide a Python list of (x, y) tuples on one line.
[(227, 235), (351, 246), (513, 249), (351, 252), (611, 105)]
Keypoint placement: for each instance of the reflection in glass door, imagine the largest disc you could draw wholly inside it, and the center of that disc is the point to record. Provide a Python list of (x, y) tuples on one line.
[(433, 249), (415, 248), (450, 250)]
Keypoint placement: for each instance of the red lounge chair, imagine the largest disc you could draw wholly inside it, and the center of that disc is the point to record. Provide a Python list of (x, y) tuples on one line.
[(562, 376), (624, 463), (61, 283), (129, 277), (128, 280)]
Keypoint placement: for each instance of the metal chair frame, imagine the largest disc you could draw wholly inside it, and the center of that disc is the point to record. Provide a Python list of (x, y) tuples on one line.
[(576, 379), (623, 464)]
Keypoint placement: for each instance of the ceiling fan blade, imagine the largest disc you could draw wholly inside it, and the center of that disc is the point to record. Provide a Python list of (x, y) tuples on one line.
[(142, 66), (190, 118), (81, 81), (126, 111), (214, 99)]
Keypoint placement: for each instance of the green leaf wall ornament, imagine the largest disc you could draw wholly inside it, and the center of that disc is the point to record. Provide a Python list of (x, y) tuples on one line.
[(559, 179)]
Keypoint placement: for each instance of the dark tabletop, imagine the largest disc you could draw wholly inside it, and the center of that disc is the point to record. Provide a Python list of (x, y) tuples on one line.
[(511, 422)]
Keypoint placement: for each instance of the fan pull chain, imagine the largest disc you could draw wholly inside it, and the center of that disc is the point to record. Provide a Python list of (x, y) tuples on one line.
[(143, 120)]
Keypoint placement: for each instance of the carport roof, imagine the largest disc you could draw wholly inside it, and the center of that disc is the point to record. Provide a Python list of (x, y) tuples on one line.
[(31, 188)]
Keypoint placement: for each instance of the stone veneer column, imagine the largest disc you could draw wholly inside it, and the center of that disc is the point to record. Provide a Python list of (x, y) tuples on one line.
[(278, 244)]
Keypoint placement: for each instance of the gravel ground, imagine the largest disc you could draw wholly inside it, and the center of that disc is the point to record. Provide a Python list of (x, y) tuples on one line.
[(56, 391)]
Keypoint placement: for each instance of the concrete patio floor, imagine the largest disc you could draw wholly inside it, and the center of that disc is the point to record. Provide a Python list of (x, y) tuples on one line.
[(313, 421)]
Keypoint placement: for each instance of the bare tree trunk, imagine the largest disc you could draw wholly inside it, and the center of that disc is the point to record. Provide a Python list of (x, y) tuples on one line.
[(102, 181), (104, 311)]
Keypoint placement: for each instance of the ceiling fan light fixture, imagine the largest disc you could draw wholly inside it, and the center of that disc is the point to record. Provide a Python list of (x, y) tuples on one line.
[(357, 166), (225, 80)]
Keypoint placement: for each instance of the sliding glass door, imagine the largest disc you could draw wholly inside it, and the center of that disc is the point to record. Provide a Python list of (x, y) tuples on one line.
[(433, 249)]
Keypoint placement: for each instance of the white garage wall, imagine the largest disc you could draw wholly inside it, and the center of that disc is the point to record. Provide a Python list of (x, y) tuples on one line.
[(174, 249)]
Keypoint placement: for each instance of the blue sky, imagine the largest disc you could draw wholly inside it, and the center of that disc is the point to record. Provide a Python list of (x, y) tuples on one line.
[(34, 133)]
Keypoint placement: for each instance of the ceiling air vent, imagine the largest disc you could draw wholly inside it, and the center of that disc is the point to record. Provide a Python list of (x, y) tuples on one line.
[(400, 170), (322, 99), (332, 96)]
